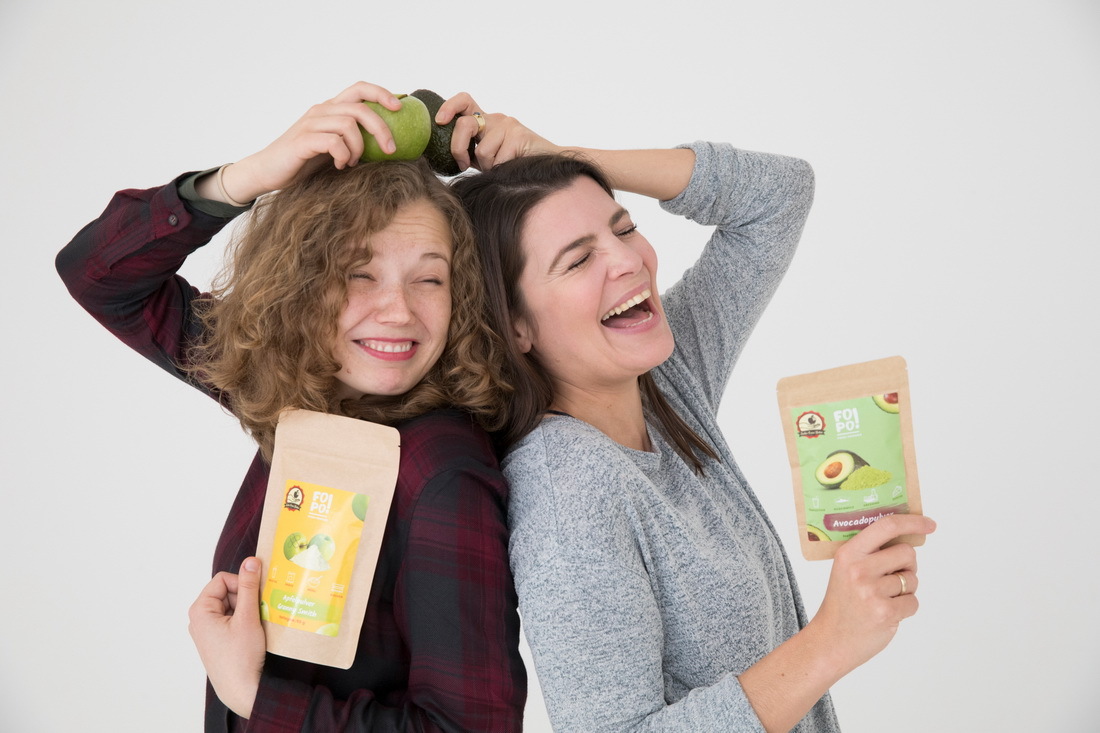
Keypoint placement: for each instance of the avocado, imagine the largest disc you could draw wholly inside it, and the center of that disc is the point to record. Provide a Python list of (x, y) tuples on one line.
[(815, 534), (438, 152), (888, 401), (836, 467)]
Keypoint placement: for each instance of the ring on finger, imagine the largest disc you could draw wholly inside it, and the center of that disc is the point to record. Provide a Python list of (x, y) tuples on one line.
[(904, 584), (480, 122)]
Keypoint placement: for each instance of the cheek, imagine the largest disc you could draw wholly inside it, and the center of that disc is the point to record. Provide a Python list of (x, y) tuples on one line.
[(649, 257), (437, 313), (351, 312)]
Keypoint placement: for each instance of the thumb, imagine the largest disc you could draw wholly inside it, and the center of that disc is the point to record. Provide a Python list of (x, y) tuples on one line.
[(248, 592)]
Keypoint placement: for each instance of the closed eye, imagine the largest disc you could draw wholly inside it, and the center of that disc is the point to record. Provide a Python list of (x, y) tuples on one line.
[(580, 262), (628, 231)]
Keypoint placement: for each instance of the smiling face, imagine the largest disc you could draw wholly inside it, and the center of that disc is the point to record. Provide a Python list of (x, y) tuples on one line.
[(592, 315), (394, 324)]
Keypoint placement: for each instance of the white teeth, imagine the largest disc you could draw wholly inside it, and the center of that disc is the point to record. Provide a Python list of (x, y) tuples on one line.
[(388, 347), (627, 305)]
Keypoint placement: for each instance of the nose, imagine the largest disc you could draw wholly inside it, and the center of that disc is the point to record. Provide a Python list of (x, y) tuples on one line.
[(393, 306), (622, 259)]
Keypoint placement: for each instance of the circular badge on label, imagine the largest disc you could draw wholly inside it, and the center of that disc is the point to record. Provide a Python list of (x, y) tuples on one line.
[(810, 424)]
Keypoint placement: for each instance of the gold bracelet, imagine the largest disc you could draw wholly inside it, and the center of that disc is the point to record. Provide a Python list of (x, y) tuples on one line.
[(221, 188)]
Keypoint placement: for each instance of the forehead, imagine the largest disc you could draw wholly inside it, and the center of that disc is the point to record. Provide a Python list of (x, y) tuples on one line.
[(417, 230), (581, 209)]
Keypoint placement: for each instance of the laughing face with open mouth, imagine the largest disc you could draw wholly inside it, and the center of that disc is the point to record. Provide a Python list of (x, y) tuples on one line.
[(394, 325), (592, 315)]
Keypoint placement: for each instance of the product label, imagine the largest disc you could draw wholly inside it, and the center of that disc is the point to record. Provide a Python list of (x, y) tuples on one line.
[(852, 464), (316, 540)]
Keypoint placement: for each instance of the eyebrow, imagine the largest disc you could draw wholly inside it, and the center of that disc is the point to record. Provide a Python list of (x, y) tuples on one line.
[(436, 256), (586, 239)]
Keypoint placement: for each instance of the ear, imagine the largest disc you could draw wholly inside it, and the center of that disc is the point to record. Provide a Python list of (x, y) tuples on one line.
[(523, 334)]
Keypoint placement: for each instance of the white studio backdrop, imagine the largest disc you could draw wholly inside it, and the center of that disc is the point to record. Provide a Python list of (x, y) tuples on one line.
[(956, 155)]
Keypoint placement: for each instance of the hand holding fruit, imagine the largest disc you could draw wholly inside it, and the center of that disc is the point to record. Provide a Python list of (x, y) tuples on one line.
[(225, 626), (449, 136), (366, 122), (328, 134), (503, 138)]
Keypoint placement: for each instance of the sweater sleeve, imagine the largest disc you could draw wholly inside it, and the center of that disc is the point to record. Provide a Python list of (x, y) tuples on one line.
[(122, 269), (758, 204)]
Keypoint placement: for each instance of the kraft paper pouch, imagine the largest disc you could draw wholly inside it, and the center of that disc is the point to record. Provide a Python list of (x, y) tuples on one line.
[(328, 497), (849, 436)]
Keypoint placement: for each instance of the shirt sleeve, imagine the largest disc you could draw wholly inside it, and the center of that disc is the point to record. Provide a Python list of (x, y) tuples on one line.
[(758, 204), (456, 608), (122, 269)]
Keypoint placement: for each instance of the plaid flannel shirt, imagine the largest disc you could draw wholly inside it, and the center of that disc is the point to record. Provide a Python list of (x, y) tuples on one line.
[(439, 645)]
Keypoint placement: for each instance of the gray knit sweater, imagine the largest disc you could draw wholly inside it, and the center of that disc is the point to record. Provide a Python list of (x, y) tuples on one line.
[(644, 589)]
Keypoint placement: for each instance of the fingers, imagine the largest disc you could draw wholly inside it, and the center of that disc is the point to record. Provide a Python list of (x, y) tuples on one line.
[(215, 601), (900, 583), (362, 91), (248, 592), (461, 108), (460, 104), (887, 529)]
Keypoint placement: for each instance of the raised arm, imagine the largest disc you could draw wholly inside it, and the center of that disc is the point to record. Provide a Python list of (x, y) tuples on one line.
[(661, 174), (328, 134)]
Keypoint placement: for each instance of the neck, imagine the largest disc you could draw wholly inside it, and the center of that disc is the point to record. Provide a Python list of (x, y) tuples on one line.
[(616, 414)]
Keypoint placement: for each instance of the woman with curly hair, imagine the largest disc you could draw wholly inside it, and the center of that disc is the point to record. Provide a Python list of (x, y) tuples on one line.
[(352, 289)]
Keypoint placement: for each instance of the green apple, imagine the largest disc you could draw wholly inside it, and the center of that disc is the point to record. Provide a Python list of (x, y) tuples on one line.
[(329, 630), (324, 544), (411, 127), (294, 544), (359, 506), (264, 613)]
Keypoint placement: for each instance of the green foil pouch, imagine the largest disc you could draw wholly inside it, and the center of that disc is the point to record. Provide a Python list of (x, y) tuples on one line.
[(849, 435)]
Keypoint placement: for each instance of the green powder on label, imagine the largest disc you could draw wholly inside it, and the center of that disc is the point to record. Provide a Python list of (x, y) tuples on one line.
[(866, 478)]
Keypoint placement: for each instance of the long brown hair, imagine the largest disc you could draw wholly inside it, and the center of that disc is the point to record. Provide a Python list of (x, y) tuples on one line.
[(499, 201), (271, 321)]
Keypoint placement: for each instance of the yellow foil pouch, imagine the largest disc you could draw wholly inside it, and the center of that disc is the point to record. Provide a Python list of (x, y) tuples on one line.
[(328, 498), (849, 435)]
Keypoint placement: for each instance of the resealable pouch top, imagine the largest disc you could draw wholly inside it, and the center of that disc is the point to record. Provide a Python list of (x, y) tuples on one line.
[(328, 497), (849, 436)]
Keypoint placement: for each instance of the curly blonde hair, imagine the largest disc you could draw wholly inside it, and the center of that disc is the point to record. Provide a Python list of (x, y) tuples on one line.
[(270, 322)]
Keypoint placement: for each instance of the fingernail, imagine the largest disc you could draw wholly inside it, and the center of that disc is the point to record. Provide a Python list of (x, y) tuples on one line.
[(251, 565), (391, 147)]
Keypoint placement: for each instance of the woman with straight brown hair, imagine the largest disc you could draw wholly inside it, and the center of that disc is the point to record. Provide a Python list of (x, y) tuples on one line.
[(654, 590)]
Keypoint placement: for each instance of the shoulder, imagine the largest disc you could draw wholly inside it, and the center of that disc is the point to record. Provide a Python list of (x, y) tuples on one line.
[(562, 451), (447, 451), (444, 437), (569, 493)]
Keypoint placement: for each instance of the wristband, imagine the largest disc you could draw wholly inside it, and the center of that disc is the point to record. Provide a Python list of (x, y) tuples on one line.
[(221, 188)]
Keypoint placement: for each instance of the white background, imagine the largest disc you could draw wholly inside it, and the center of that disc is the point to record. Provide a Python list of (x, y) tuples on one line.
[(957, 158)]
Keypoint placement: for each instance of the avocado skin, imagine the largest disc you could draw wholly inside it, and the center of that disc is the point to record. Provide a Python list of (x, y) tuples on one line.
[(438, 152), (891, 407)]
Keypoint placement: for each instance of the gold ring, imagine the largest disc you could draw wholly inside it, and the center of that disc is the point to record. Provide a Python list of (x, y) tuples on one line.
[(480, 122), (904, 585)]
